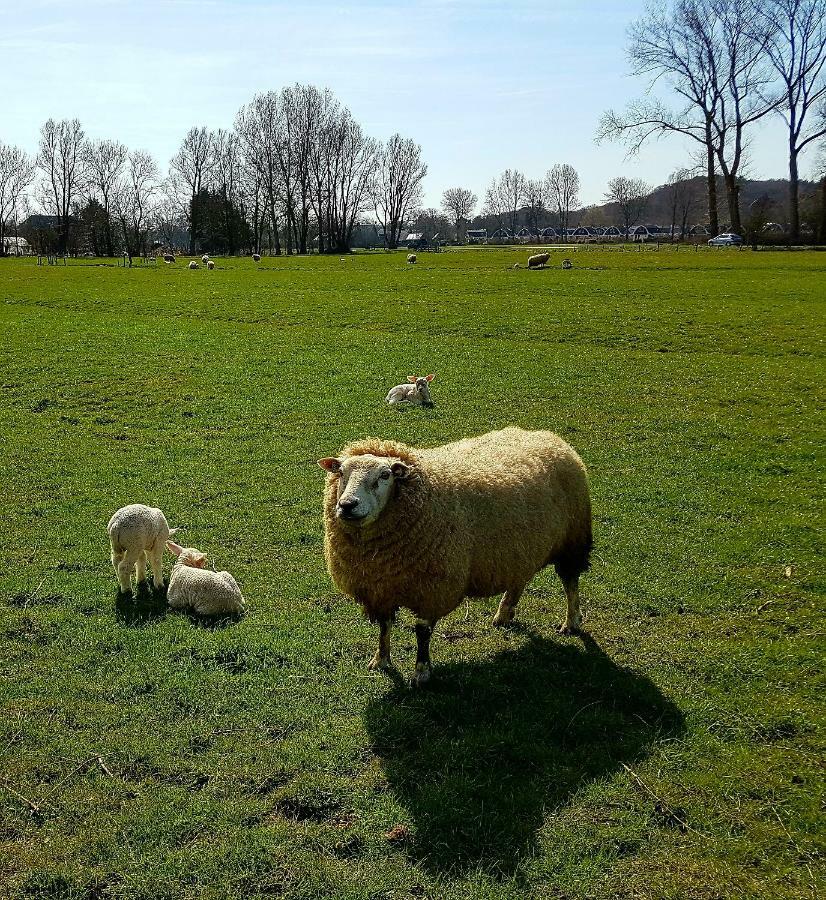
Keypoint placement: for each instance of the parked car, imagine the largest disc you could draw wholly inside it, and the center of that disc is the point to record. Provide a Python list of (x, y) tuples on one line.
[(726, 240)]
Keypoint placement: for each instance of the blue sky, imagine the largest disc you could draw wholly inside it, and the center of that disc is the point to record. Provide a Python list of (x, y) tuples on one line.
[(481, 85)]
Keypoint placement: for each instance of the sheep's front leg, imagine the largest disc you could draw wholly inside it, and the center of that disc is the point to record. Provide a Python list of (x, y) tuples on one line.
[(382, 657), (424, 631), (507, 607), (574, 618)]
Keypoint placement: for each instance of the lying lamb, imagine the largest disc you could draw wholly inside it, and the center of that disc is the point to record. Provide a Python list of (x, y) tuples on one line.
[(168, 258), (567, 264), (422, 529), (210, 264), (138, 533), (205, 258), (538, 260), (193, 265), (411, 258), (417, 393), (256, 257), (201, 590)]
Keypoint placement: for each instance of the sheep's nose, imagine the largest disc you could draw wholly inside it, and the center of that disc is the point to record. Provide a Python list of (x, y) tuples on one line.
[(348, 505)]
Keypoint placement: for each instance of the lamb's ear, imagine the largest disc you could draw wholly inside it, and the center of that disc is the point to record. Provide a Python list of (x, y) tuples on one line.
[(430, 377), (174, 548), (200, 560), (412, 378), (331, 464), (400, 470)]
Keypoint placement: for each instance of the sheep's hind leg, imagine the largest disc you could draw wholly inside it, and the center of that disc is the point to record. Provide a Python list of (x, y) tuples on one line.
[(121, 568), (573, 620), (424, 631), (382, 657), (156, 559), (507, 607)]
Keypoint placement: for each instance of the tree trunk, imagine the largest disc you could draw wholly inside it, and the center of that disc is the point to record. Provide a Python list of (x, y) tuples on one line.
[(822, 229), (711, 180), (192, 223), (733, 197), (794, 188)]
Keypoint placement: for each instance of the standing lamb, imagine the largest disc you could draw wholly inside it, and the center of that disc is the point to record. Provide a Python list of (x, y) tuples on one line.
[(205, 258), (256, 257), (416, 393), (201, 590), (193, 265), (422, 529), (210, 264), (411, 258), (567, 264), (168, 258), (538, 260), (138, 533)]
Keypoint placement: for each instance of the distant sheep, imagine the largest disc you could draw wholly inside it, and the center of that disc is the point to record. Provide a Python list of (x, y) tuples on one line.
[(416, 393), (538, 260), (205, 258), (193, 265), (411, 258), (210, 264), (567, 264), (256, 257), (201, 590), (168, 258), (422, 529), (138, 533)]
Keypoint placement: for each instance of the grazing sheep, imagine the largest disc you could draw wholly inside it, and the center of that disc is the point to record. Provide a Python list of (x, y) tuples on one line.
[(422, 529), (416, 393), (168, 258), (210, 264), (411, 258), (256, 257), (538, 260), (567, 264), (200, 590), (193, 265), (205, 258), (138, 533)]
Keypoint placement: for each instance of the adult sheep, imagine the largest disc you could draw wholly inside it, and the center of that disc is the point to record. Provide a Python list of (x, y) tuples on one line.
[(411, 258), (424, 528), (538, 260)]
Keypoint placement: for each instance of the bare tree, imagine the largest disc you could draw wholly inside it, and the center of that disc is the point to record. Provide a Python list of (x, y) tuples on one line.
[(504, 197), (797, 49), (104, 164), (132, 200), (397, 187), (536, 199), (431, 222), (60, 158), (189, 171), (16, 174), (226, 177), (682, 200), (563, 191), (458, 203), (631, 196), (713, 57)]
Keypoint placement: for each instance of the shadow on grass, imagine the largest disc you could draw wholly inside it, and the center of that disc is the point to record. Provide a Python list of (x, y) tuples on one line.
[(481, 754), (141, 607)]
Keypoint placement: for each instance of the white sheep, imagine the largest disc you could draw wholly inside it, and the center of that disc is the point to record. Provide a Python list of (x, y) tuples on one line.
[(193, 265), (424, 528), (256, 257), (210, 264), (138, 533), (416, 393), (168, 258), (205, 258), (567, 264), (538, 260), (411, 258), (201, 590)]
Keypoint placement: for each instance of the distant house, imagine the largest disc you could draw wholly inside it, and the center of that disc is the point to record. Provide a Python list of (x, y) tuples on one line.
[(16, 246), (502, 234), (415, 240), (367, 236), (649, 233), (699, 231), (476, 235), (612, 233)]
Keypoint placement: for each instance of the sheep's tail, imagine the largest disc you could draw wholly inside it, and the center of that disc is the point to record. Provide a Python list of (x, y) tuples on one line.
[(114, 541)]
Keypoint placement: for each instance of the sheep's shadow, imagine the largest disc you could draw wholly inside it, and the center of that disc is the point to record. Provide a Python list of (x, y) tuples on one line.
[(144, 605), (487, 749)]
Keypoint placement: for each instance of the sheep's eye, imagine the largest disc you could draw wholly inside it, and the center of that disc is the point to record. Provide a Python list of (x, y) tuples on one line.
[(385, 475)]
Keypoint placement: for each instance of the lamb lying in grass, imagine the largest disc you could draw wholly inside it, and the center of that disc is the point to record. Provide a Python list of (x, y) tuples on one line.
[(138, 534), (200, 590), (416, 393)]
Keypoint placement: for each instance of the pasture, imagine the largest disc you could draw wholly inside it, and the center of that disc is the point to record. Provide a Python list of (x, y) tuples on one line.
[(674, 752)]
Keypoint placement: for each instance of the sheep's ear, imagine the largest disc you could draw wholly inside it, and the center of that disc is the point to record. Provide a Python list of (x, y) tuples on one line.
[(331, 464), (430, 377), (174, 548), (400, 470), (411, 378)]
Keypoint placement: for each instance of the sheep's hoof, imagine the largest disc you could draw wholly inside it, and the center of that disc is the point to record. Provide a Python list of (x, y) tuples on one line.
[(125, 595), (503, 618), (421, 676), (568, 628), (378, 662)]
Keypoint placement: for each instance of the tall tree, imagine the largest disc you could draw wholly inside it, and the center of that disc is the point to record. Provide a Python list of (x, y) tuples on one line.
[(458, 203), (631, 196), (682, 199), (104, 165), (536, 200), (397, 186), (796, 47), (60, 158), (189, 171), (563, 191), (505, 196), (16, 174), (133, 199)]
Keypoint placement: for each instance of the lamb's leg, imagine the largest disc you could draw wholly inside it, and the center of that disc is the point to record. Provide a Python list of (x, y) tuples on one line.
[(156, 558), (507, 607), (140, 567), (127, 561), (574, 618), (121, 570), (424, 631), (382, 657)]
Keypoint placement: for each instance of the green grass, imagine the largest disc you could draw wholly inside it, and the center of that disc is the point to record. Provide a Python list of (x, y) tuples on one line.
[(165, 759)]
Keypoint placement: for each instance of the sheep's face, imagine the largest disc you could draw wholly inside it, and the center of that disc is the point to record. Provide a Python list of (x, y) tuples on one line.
[(187, 556), (365, 485), (423, 389)]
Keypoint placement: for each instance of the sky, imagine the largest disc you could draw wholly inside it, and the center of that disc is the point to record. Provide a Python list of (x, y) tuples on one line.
[(481, 85)]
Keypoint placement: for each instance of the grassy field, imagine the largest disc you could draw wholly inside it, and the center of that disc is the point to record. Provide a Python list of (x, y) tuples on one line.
[(674, 752)]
